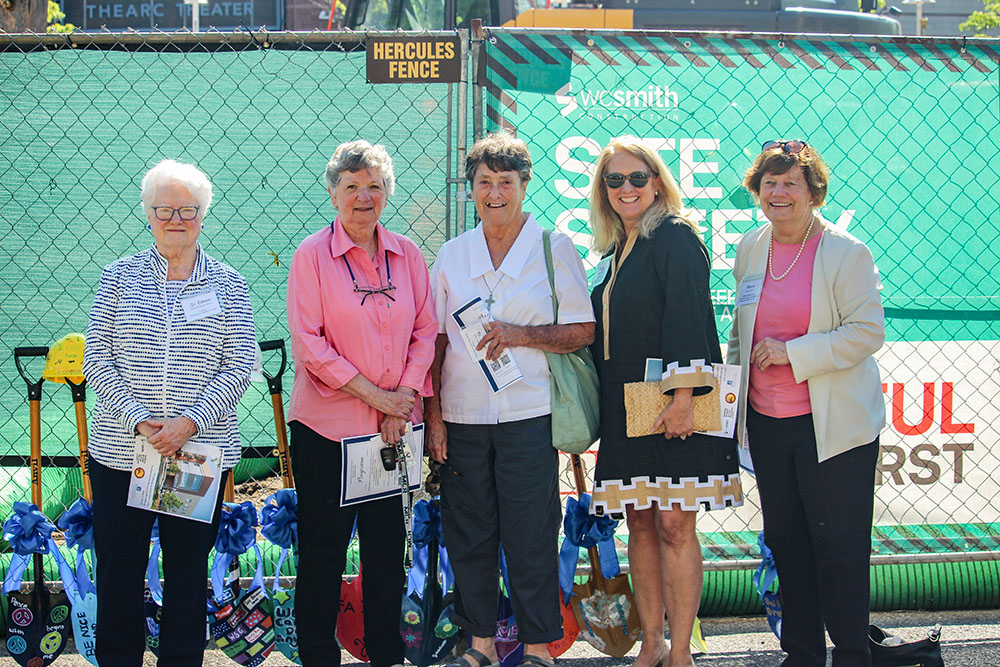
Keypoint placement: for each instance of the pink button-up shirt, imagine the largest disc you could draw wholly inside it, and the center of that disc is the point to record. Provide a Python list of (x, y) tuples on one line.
[(334, 337)]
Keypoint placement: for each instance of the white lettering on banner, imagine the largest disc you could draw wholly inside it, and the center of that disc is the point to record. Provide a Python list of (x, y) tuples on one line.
[(565, 160), (721, 237), (689, 167)]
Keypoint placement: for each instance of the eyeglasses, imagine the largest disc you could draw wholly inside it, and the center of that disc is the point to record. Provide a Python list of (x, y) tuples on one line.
[(790, 147), (165, 213), (614, 180), (369, 291)]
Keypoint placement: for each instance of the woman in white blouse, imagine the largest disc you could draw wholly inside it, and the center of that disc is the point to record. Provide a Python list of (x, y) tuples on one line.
[(499, 486)]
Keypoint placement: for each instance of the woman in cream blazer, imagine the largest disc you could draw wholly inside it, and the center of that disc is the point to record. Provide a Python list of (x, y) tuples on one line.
[(808, 320)]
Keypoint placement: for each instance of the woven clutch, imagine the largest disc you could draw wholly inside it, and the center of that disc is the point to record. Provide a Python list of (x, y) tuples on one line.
[(644, 401)]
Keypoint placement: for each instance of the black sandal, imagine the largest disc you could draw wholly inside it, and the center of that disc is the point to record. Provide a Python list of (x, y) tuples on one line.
[(480, 660), (535, 661)]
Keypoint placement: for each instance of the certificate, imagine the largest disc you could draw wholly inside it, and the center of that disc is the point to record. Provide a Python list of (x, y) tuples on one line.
[(362, 476), (185, 484), (472, 320)]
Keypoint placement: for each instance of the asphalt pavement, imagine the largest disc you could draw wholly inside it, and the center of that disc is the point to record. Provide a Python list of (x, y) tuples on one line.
[(969, 639)]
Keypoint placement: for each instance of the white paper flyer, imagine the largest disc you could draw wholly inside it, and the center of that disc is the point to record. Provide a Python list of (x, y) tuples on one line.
[(472, 320), (185, 484), (363, 477)]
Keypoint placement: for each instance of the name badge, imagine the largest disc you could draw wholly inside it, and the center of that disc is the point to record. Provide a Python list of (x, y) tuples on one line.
[(749, 291), (600, 272), (201, 305)]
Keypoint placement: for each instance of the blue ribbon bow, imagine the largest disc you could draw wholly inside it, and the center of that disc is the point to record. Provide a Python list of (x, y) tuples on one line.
[(77, 524), (237, 533), (278, 518), (767, 572), (279, 524), (427, 527), (28, 532), (585, 530)]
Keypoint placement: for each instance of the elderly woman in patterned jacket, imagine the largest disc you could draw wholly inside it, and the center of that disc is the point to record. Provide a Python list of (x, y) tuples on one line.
[(170, 346)]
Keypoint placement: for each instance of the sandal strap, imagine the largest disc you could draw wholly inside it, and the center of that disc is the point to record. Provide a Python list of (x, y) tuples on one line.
[(478, 656), (534, 660)]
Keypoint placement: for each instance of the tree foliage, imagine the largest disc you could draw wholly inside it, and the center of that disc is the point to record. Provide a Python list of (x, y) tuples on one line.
[(56, 18), (981, 21)]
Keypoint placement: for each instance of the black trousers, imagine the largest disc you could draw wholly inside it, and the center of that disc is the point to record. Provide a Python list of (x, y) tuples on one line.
[(501, 487), (121, 541), (818, 523), (324, 533)]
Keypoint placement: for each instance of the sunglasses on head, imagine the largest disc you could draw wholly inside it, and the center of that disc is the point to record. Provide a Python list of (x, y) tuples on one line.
[(638, 179), (790, 147)]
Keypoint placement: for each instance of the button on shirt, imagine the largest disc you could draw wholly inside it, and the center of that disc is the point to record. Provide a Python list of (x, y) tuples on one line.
[(521, 295), (334, 337)]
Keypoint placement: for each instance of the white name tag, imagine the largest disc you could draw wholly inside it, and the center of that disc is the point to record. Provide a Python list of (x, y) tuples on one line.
[(201, 305), (600, 272), (749, 291)]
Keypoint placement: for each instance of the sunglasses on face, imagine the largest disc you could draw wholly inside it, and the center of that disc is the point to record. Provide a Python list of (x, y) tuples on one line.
[(790, 147), (638, 179)]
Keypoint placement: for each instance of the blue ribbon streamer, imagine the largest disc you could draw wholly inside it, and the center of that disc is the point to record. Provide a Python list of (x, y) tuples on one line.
[(279, 524), (28, 532), (77, 524), (767, 572), (153, 571), (237, 533), (584, 530), (426, 527)]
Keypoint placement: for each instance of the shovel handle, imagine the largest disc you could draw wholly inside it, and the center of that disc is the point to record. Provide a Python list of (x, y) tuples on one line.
[(229, 495), (278, 406), (284, 456), (34, 386), (578, 474), (274, 381)]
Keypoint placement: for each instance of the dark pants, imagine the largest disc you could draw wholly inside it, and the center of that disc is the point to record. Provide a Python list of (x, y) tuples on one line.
[(121, 540), (501, 487), (324, 533), (818, 522)]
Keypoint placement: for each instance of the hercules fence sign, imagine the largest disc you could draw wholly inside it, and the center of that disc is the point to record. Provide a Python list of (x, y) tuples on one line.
[(413, 59), (911, 130)]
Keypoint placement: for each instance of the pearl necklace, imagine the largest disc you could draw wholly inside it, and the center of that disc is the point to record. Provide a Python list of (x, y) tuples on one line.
[(770, 246)]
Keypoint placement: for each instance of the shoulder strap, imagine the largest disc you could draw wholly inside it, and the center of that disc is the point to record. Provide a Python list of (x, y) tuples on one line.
[(547, 244)]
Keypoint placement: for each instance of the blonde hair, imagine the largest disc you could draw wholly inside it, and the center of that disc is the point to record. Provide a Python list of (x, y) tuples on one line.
[(606, 224)]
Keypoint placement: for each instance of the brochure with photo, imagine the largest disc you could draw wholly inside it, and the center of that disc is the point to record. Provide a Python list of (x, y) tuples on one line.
[(185, 484)]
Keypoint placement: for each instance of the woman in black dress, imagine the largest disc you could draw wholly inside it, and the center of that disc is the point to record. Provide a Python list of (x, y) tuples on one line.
[(652, 302)]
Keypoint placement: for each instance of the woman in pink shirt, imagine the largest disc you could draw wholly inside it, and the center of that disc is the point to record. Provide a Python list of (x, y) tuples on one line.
[(808, 320), (362, 323)]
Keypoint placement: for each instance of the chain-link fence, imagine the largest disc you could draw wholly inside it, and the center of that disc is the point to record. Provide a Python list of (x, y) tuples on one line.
[(911, 130), (84, 116), (910, 127)]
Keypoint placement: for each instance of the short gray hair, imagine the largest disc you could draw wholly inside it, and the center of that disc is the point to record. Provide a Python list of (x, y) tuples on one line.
[(172, 171), (356, 155), (500, 151)]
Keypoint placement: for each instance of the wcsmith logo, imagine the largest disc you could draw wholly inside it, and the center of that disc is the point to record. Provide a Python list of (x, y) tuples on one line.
[(650, 97)]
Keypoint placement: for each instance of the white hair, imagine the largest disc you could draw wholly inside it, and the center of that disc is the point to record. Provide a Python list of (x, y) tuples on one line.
[(356, 155), (172, 171)]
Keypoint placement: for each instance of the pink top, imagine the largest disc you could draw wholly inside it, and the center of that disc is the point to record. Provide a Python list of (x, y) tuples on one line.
[(335, 337), (783, 314)]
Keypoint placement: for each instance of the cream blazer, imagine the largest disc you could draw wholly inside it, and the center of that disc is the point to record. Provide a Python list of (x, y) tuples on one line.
[(846, 327)]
